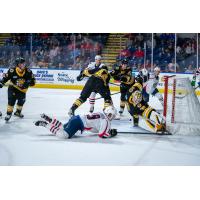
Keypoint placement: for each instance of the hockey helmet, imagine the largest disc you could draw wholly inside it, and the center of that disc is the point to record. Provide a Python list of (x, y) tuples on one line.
[(144, 72), (110, 112), (19, 60), (139, 79), (157, 69), (98, 57)]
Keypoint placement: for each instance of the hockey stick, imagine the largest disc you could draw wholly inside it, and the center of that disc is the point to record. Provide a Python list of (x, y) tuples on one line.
[(110, 95), (144, 133)]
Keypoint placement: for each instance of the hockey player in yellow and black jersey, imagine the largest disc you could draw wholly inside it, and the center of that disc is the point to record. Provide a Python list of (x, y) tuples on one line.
[(20, 78), (98, 81), (150, 119), (123, 73)]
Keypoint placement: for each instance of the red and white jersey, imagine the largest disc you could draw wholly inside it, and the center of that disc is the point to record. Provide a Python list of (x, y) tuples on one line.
[(97, 123), (152, 83)]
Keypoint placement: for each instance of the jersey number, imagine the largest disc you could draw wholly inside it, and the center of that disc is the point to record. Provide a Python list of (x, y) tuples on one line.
[(94, 116)]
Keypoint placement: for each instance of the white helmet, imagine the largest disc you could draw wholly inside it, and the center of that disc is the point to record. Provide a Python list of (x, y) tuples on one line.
[(110, 112), (97, 57), (144, 72), (157, 69)]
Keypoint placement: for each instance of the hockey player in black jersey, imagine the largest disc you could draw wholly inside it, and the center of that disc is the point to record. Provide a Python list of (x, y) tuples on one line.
[(123, 73), (20, 78), (98, 82), (149, 118)]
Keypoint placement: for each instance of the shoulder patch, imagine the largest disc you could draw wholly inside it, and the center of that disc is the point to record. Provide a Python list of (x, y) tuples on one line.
[(11, 70)]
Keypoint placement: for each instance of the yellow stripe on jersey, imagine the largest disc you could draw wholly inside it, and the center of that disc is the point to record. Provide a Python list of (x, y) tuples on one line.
[(102, 74), (20, 72), (135, 87), (86, 73), (138, 85), (21, 90), (78, 102)]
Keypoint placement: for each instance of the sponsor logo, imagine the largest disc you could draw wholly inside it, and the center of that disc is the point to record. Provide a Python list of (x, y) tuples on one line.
[(64, 77)]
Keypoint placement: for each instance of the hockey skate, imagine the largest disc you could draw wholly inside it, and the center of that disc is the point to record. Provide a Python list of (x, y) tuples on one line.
[(7, 117), (161, 129), (40, 123), (45, 117), (19, 114), (71, 113), (0, 114)]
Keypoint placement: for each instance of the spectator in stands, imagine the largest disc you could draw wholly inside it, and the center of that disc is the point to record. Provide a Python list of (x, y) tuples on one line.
[(189, 69), (139, 53), (78, 65), (125, 53)]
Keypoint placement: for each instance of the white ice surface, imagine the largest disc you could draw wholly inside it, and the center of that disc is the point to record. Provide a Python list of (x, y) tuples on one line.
[(22, 143)]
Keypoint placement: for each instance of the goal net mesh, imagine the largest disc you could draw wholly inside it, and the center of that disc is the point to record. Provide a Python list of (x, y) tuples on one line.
[(181, 107)]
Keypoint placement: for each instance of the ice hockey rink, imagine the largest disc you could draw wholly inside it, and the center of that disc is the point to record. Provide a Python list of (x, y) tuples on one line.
[(24, 144)]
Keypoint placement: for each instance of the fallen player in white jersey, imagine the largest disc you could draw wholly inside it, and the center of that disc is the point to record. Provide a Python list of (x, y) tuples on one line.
[(99, 123)]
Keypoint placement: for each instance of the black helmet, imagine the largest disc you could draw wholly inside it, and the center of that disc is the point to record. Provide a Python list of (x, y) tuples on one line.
[(125, 61), (19, 60), (139, 79)]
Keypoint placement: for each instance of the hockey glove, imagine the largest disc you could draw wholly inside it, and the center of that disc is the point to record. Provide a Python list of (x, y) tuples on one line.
[(113, 132), (1, 84), (123, 79), (25, 85), (79, 77)]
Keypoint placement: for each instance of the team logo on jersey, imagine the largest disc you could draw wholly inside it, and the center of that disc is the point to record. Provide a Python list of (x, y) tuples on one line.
[(20, 82)]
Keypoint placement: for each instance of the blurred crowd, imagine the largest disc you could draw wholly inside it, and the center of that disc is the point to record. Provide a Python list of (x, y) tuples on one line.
[(138, 49), (75, 51), (61, 51)]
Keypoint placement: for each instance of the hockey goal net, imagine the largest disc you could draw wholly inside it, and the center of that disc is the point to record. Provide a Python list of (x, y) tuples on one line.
[(181, 106)]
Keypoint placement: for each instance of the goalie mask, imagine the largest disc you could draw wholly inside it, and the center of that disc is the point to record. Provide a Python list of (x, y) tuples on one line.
[(136, 97), (110, 112)]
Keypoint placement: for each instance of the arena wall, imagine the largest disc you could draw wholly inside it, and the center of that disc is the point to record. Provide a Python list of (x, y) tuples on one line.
[(66, 79)]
